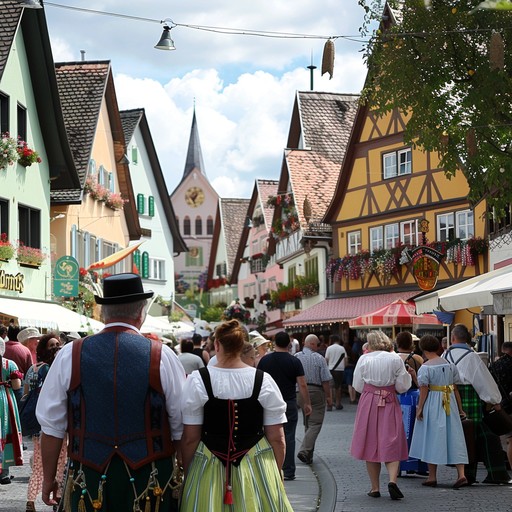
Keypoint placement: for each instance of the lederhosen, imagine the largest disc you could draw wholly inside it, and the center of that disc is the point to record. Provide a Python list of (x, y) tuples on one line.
[(240, 419)]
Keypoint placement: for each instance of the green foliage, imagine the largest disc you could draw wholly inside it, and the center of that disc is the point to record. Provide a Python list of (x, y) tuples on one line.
[(213, 313), (440, 67)]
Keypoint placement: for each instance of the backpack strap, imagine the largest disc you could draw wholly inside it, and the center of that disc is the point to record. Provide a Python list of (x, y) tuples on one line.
[(205, 375)]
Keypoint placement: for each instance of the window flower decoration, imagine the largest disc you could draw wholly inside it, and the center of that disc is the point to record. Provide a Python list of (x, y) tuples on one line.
[(8, 151), (6, 248), (27, 156), (236, 311), (114, 200), (30, 255)]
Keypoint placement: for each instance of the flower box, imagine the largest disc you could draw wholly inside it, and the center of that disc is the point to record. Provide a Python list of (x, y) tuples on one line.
[(30, 256), (26, 155), (6, 248)]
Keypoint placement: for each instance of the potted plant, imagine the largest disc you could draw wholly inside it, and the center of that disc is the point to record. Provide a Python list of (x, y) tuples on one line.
[(6, 248), (114, 201), (26, 155), (8, 151), (30, 256)]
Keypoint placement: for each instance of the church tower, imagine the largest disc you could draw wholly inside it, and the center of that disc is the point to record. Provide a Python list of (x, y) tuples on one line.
[(195, 203)]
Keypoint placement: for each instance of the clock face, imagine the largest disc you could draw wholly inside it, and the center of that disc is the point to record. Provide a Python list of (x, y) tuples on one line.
[(194, 197)]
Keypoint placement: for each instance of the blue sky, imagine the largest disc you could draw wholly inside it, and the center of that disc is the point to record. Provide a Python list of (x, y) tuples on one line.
[(243, 86)]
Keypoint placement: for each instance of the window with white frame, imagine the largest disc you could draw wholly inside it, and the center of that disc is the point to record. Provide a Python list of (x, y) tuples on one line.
[(156, 269), (391, 236), (465, 225), (376, 241), (409, 232), (455, 225), (445, 227), (397, 163), (354, 242)]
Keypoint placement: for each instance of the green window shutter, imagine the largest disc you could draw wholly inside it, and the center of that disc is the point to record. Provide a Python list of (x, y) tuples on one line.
[(145, 265), (135, 156), (136, 259), (140, 203), (151, 206)]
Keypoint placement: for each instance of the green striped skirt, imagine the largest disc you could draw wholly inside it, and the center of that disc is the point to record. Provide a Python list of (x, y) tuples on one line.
[(256, 483)]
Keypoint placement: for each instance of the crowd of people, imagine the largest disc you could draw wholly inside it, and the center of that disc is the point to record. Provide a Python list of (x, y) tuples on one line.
[(128, 423)]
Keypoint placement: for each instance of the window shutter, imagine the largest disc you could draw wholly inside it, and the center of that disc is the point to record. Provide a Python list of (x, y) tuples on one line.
[(92, 167), (73, 241), (145, 265), (140, 203), (101, 176), (151, 206), (135, 156), (136, 259)]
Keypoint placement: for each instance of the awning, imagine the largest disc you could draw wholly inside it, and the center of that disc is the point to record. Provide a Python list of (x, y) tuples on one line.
[(473, 292), (111, 260), (396, 313), (47, 315), (161, 325), (337, 310)]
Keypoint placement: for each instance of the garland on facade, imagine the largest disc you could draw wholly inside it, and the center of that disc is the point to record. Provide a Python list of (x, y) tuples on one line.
[(385, 263)]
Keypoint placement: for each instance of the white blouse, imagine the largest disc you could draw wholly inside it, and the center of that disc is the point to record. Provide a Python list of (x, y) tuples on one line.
[(381, 369), (231, 383)]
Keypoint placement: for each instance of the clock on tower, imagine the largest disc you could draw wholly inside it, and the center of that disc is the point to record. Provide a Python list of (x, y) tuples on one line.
[(194, 197)]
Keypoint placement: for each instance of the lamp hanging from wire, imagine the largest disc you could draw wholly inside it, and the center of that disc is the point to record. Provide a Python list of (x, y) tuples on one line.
[(166, 42)]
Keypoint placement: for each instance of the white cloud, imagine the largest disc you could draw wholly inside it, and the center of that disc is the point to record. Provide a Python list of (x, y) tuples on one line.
[(243, 87)]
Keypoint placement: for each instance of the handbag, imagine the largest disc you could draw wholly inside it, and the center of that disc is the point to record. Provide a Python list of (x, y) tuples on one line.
[(468, 427), (498, 421), (27, 411)]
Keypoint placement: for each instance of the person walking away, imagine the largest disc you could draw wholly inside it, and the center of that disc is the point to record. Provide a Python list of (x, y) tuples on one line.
[(335, 356), (11, 449), (438, 437), (478, 386), (233, 442), (104, 390), (354, 351), (501, 370), (318, 380), (17, 352), (288, 373), (379, 435), (46, 351), (188, 359), (197, 340), (405, 349)]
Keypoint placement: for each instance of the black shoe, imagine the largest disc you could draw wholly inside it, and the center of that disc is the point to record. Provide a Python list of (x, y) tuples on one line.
[(6, 480), (394, 491), (291, 477), (304, 458), (497, 482), (374, 494)]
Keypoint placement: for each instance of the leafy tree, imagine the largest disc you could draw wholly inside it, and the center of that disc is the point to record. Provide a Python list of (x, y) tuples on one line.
[(447, 64), (213, 313)]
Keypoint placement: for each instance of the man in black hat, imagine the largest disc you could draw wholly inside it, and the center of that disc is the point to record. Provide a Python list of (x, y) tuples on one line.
[(117, 396)]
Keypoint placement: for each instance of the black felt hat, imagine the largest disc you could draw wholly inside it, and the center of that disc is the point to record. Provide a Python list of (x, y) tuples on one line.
[(121, 289)]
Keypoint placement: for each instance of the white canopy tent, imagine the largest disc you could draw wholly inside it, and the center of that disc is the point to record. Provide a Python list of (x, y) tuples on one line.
[(47, 315), (473, 292), (160, 325)]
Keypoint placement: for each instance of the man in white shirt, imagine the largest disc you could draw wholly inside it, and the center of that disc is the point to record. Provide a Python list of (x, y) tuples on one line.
[(335, 355), (105, 391), (478, 386)]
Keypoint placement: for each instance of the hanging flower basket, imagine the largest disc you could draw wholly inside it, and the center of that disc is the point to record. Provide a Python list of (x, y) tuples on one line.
[(8, 151), (26, 155)]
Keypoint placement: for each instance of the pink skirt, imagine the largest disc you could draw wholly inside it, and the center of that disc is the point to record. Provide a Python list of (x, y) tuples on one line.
[(379, 434)]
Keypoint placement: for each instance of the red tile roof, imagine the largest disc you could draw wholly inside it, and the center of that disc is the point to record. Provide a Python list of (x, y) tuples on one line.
[(335, 310)]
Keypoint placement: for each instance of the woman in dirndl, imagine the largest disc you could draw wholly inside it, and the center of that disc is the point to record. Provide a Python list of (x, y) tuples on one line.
[(11, 451), (233, 442), (379, 434)]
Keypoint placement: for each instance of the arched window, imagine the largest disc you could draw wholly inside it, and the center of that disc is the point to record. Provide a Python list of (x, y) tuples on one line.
[(199, 226), (186, 226), (209, 226)]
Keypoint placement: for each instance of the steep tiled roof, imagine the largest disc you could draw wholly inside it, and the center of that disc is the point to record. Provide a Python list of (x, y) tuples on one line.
[(81, 88), (327, 120), (130, 120), (10, 13), (233, 215), (314, 176), (267, 188)]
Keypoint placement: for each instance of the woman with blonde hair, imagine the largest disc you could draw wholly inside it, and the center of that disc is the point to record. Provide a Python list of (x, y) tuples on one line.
[(379, 435), (233, 442)]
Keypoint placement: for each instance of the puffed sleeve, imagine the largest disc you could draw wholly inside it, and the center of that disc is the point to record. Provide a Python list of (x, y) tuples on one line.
[(193, 398), (271, 399), (423, 376), (357, 380)]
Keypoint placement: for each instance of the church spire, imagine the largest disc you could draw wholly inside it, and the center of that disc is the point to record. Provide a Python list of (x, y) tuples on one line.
[(194, 155)]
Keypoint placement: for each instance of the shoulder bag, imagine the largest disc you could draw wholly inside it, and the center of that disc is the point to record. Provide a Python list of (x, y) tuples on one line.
[(29, 424)]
